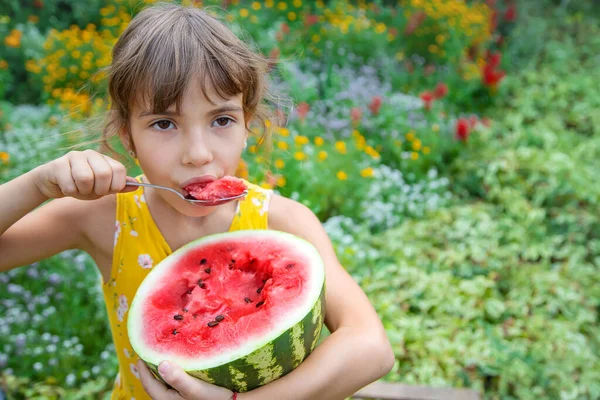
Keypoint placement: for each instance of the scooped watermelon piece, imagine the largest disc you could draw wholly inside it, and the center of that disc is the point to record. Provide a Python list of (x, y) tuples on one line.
[(238, 309), (227, 186)]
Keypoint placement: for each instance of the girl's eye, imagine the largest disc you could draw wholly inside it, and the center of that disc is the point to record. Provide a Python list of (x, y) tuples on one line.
[(162, 124), (222, 122)]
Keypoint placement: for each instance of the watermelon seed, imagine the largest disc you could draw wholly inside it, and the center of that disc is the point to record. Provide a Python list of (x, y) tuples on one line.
[(260, 303), (259, 290), (207, 270), (203, 261), (178, 317), (201, 284), (232, 261), (185, 309), (247, 300), (175, 332), (213, 323), (290, 266), (189, 291), (219, 318)]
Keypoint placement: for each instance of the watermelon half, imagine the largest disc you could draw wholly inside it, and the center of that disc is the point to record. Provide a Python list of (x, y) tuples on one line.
[(238, 309)]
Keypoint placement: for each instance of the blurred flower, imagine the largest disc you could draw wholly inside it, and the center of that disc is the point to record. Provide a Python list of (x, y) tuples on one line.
[(14, 38), (511, 13), (310, 20), (279, 163), (282, 145), (462, 129), (319, 141), (426, 150), (340, 146), (441, 90), (302, 110), (414, 22), (375, 105), (341, 175), (322, 155), (4, 157), (367, 172), (356, 114), (299, 155), (414, 155), (427, 98), (301, 140)]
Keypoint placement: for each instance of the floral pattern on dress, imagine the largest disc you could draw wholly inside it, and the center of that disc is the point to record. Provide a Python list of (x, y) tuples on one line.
[(123, 307), (117, 232), (145, 261)]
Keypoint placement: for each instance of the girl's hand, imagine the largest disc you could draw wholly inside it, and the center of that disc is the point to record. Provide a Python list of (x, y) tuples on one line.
[(85, 175), (184, 386)]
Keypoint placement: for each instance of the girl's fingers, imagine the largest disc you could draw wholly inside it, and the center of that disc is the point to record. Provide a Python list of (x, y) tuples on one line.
[(103, 173), (82, 173)]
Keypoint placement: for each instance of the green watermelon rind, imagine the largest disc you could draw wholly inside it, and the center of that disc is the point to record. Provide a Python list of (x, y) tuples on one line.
[(272, 357)]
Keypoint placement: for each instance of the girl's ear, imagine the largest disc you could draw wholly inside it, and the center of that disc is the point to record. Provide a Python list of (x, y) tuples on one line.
[(126, 141)]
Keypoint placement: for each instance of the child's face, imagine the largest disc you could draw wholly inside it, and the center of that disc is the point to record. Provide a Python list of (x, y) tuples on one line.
[(204, 140)]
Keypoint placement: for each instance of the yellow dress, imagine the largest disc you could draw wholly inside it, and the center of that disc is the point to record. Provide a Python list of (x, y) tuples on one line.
[(138, 246)]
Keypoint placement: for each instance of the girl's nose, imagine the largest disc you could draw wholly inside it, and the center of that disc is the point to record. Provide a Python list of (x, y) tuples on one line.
[(196, 149)]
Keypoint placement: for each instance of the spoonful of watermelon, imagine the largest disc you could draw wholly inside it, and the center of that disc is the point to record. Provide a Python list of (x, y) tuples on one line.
[(215, 193)]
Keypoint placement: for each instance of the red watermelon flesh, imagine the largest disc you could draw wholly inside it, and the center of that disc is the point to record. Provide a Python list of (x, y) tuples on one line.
[(224, 297), (227, 186)]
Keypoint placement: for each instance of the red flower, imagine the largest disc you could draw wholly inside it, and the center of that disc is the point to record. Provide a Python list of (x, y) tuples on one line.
[(492, 77), (414, 22), (285, 28), (427, 98), (462, 129), (441, 90), (493, 21), (310, 20), (302, 110), (493, 59), (486, 122), (429, 69), (356, 114), (511, 13), (491, 3), (375, 104)]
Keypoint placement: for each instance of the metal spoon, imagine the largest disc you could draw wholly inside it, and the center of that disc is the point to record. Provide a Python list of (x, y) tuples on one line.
[(191, 200)]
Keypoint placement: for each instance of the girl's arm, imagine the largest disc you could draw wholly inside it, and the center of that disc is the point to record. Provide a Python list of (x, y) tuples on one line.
[(357, 352), (30, 233)]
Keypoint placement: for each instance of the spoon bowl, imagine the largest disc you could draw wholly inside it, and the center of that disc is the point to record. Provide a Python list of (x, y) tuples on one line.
[(190, 199)]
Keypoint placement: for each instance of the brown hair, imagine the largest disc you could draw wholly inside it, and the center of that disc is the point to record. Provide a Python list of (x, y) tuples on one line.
[(167, 45)]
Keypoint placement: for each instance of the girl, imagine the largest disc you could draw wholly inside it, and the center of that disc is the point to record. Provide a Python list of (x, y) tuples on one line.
[(184, 91)]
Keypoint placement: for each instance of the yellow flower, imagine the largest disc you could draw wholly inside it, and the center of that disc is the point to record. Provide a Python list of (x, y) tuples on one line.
[(279, 163), (301, 140), (367, 172), (14, 38), (380, 27), (3, 64), (316, 38), (319, 141), (299, 156), (282, 145), (254, 19), (265, 185), (341, 147), (322, 155), (291, 16), (414, 155), (4, 156), (341, 175), (410, 136), (426, 150), (267, 123), (244, 13), (432, 48), (400, 56), (371, 152), (435, 128), (281, 181), (252, 149), (283, 131), (416, 145), (255, 5), (269, 3), (282, 5), (297, 3)]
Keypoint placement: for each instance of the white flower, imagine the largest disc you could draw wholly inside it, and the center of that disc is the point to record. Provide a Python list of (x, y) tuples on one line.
[(121, 314), (123, 301), (117, 232), (126, 353), (145, 261), (134, 370), (133, 233), (136, 198)]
